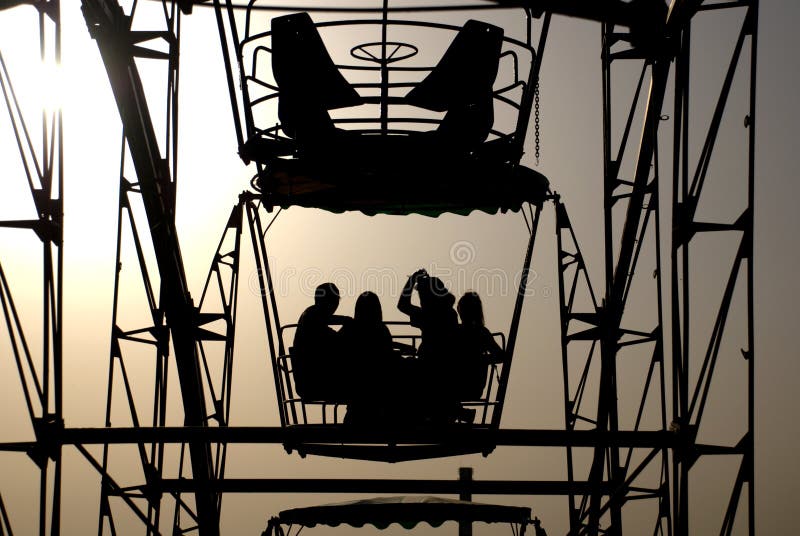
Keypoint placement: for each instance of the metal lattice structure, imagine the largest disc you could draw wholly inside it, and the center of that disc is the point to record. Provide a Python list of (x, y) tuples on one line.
[(38, 362), (646, 454)]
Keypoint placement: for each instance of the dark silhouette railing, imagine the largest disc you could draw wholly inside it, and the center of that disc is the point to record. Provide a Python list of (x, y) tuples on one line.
[(300, 411)]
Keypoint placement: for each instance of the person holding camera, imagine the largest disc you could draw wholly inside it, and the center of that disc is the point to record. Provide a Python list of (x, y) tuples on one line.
[(438, 321)]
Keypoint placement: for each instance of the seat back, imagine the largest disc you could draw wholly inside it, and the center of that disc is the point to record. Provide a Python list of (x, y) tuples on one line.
[(465, 74), (461, 85), (310, 84)]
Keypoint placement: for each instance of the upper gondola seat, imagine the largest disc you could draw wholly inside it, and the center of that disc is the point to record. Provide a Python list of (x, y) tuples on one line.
[(449, 169)]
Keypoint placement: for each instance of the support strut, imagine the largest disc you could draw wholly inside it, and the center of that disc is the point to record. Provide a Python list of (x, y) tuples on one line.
[(110, 27)]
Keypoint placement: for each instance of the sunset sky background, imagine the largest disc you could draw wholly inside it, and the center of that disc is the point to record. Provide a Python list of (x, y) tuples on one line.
[(309, 246)]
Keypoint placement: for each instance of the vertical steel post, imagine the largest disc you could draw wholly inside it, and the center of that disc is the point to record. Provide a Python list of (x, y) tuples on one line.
[(750, 230), (465, 479)]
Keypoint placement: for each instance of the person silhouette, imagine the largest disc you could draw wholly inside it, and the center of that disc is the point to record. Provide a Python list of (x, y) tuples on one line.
[(368, 324), (318, 351), (435, 316), (477, 347), (437, 321), (368, 344)]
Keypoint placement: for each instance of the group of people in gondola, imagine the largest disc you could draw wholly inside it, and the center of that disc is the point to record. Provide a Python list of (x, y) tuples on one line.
[(382, 380)]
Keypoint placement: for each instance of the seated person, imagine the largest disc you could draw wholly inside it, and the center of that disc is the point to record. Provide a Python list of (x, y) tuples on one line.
[(438, 321), (370, 360), (367, 340), (434, 316), (477, 348), (317, 353)]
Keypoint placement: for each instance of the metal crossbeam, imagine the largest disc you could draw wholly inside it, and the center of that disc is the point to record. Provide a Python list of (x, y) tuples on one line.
[(276, 434), (376, 486)]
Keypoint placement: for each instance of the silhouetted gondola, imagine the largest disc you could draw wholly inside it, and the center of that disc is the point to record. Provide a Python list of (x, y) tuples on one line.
[(409, 135), (392, 111)]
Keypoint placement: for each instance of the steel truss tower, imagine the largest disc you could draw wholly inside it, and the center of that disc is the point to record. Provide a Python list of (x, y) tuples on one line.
[(643, 332), (39, 172)]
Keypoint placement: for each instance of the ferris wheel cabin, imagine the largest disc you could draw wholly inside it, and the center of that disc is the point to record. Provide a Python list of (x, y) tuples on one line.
[(383, 107), (391, 110)]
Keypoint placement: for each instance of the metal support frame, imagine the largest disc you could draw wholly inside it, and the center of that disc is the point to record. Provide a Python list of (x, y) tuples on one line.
[(119, 48), (215, 319), (634, 247), (40, 370), (637, 198), (215, 336), (153, 336), (693, 384), (582, 333), (650, 458)]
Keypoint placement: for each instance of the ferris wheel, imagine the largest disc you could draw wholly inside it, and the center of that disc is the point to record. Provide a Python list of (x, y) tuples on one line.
[(402, 109)]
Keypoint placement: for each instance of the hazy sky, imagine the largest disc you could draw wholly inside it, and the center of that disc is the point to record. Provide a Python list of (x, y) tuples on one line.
[(309, 244)]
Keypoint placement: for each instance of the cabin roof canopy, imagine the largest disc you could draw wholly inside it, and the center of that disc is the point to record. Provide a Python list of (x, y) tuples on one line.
[(407, 511)]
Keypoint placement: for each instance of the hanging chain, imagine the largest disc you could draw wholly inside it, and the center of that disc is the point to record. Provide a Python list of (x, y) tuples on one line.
[(536, 122)]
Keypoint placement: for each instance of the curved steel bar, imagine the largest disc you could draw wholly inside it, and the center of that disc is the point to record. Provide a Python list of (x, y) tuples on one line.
[(363, 49), (315, 8), (378, 22)]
